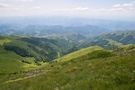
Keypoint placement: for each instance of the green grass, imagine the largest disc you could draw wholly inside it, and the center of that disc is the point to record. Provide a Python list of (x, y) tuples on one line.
[(90, 68), (83, 73), (10, 62), (18, 53), (2, 41), (112, 42), (79, 53), (118, 44), (29, 59)]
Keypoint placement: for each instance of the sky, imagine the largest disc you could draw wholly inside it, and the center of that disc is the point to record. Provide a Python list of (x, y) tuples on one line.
[(109, 9)]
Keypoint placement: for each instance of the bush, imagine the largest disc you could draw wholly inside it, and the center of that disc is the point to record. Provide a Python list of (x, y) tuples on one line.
[(26, 62), (100, 54)]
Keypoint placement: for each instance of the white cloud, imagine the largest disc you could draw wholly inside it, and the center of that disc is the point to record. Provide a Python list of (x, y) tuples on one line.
[(120, 9), (110, 10), (62, 10), (82, 8), (128, 5), (22, 9), (78, 9), (117, 5)]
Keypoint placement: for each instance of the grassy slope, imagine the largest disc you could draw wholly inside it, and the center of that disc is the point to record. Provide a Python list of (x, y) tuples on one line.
[(10, 62), (118, 44), (15, 64), (79, 53), (112, 42), (99, 70), (4, 41)]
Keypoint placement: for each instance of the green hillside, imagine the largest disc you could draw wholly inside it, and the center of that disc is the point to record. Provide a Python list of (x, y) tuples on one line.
[(19, 53), (78, 53), (96, 70), (111, 41), (42, 49), (10, 62), (39, 63), (125, 37)]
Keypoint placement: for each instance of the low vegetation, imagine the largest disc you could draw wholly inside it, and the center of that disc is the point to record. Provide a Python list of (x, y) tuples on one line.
[(96, 70), (78, 53), (20, 53)]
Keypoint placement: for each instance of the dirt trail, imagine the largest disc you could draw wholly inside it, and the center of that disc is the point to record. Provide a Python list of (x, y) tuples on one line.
[(30, 74)]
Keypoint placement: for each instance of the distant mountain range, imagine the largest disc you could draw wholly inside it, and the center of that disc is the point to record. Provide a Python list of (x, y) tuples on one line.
[(36, 30), (69, 36), (18, 23), (44, 26)]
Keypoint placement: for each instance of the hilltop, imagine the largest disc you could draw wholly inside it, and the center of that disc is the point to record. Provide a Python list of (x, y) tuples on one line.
[(78, 53)]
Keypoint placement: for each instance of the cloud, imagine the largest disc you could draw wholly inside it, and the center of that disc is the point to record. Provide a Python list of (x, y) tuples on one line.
[(117, 5), (62, 10), (73, 9), (120, 9), (128, 5), (3, 5), (82, 8)]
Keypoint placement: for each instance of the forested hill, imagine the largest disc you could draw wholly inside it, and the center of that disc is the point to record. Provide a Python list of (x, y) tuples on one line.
[(41, 49), (111, 40)]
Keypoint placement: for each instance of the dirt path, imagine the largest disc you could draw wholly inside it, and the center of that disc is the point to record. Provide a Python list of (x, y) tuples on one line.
[(30, 75)]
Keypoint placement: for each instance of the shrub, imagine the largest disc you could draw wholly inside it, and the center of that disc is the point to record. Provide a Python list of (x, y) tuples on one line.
[(100, 54)]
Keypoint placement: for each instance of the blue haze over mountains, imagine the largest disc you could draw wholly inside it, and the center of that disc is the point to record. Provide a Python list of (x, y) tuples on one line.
[(47, 25)]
